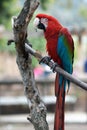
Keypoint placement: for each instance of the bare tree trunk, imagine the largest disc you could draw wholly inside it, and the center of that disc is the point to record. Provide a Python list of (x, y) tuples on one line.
[(37, 108)]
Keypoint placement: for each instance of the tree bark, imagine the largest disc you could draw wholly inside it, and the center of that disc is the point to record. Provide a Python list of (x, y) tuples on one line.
[(37, 109)]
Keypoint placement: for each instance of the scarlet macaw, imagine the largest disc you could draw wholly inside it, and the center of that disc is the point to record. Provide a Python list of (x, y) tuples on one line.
[(60, 48)]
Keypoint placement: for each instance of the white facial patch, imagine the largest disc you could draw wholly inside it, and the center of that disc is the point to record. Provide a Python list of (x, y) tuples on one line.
[(36, 22), (44, 21)]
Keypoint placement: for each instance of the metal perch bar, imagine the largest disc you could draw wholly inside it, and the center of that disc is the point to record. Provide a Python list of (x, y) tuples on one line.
[(68, 76)]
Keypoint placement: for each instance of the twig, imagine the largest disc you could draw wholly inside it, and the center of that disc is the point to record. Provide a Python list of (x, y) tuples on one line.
[(68, 76)]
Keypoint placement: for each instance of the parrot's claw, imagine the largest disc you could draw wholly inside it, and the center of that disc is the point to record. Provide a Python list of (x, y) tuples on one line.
[(45, 60), (54, 66)]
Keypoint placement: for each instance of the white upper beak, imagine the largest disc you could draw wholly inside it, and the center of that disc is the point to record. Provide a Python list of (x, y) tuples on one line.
[(36, 22)]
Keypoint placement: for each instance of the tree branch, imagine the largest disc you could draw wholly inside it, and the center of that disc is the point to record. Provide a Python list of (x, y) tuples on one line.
[(37, 108), (57, 68)]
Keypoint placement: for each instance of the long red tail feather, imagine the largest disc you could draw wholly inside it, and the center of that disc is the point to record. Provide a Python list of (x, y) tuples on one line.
[(60, 103)]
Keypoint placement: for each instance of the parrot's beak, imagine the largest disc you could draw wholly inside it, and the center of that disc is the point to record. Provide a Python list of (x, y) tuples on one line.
[(36, 23)]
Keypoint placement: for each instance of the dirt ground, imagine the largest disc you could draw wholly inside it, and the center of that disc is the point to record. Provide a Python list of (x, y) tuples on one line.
[(30, 127)]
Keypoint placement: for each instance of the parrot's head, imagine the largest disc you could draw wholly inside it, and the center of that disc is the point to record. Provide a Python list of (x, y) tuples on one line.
[(47, 23)]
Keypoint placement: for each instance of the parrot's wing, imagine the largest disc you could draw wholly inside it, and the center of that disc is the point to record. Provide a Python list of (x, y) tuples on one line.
[(65, 50)]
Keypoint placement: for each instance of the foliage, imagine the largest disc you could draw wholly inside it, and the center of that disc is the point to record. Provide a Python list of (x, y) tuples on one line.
[(46, 3), (4, 47), (83, 11), (7, 10), (39, 45), (67, 4)]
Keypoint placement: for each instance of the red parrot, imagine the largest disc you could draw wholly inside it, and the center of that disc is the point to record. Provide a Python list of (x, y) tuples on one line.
[(60, 48)]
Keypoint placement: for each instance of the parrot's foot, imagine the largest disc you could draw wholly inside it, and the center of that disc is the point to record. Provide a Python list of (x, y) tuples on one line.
[(54, 66), (45, 60)]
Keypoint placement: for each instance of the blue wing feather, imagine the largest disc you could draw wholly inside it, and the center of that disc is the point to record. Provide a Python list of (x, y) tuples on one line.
[(66, 57)]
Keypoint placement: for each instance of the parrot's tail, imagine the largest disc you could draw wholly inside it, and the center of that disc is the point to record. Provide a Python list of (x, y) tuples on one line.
[(60, 103)]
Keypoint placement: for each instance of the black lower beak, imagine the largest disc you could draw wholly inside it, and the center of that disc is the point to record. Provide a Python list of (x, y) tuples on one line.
[(41, 26)]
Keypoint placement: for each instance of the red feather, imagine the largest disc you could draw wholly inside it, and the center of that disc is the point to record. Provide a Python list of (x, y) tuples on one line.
[(51, 35), (60, 105)]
